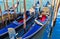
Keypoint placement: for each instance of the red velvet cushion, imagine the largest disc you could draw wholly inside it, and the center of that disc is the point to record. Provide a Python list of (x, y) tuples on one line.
[(26, 17), (22, 19), (43, 18)]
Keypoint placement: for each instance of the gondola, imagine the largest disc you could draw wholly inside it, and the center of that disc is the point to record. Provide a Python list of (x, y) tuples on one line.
[(37, 27), (39, 24), (16, 23), (4, 13)]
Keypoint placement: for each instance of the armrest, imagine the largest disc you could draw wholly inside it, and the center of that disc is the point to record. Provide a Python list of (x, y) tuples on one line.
[(38, 22)]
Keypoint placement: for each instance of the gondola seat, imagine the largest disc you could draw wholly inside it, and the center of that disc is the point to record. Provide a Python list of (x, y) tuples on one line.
[(34, 29), (5, 29), (41, 21)]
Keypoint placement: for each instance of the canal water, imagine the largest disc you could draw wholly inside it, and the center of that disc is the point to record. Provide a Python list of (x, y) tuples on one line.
[(29, 3)]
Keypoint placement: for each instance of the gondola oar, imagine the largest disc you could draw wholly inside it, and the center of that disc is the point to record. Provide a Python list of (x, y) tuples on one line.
[(40, 3), (13, 7), (7, 10), (17, 6), (20, 7), (15, 15), (2, 17), (24, 15), (53, 1), (14, 10)]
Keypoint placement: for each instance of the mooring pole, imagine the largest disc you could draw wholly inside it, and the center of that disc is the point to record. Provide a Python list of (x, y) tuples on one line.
[(20, 7), (25, 14), (4, 5), (55, 15), (40, 3), (2, 17), (7, 10)]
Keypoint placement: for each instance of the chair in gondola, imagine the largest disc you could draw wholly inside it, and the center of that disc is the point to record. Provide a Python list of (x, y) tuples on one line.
[(12, 33)]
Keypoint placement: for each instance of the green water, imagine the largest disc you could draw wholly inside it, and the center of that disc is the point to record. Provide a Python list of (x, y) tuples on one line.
[(29, 3)]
